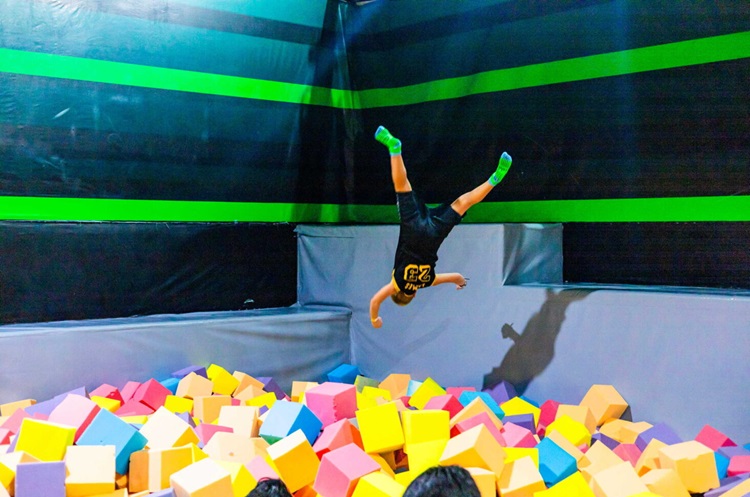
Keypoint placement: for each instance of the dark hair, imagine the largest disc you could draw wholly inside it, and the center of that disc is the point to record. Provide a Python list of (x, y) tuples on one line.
[(401, 298), (443, 481), (270, 487)]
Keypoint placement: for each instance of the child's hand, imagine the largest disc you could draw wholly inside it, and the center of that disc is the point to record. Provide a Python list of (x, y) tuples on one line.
[(377, 322), (461, 283)]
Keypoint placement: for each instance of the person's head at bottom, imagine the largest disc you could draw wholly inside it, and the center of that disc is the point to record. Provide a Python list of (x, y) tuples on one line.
[(443, 481), (401, 298), (270, 487)]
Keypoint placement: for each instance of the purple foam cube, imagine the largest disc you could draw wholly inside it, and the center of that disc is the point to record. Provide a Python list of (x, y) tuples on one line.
[(524, 420), (660, 431), (502, 392), (40, 478), (270, 385), (726, 484), (199, 370), (601, 437)]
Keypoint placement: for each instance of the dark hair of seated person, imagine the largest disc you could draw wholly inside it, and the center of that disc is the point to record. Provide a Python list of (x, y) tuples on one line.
[(270, 487), (443, 481)]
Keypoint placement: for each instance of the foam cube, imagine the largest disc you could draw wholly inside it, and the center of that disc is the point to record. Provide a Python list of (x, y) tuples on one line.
[(177, 404), (575, 431), (242, 480), (738, 465), (566, 445), (523, 420), (665, 482), (502, 392), (224, 383), (482, 418), (260, 468), (694, 463), (555, 464), (205, 478), (108, 429), (9, 463), (270, 385), (378, 485), (518, 436), (193, 385), (341, 469), (226, 446), (245, 380), (164, 430), (106, 391), (582, 414), (547, 414), (243, 420), (134, 408), (475, 407), (127, 391), (445, 402), (299, 388), (619, 480), (649, 458), (628, 452), (112, 405), (485, 481), (332, 402), (601, 437), (163, 463), (713, 438), (521, 405), (396, 383), (265, 401), (515, 453), (74, 410), (574, 485), (425, 426), (597, 458), (520, 478), (40, 479), (44, 440), (91, 470), (605, 403), (427, 389), (380, 428), (250, 392), (361, 382), (659, 431), (151, 393), (475, 448), (344, 373), (295, 460), (376, 393), (207, 408), (337, 435), (9, 408), (284, 418)]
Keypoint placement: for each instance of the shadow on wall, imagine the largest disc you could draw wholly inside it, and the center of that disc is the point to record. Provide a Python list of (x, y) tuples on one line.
[(533, 350)]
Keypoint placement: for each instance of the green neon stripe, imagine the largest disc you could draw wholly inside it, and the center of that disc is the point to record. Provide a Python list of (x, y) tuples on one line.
[(670, 55), (682, 209)]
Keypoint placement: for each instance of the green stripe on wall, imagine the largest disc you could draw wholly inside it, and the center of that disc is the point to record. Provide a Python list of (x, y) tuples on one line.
[(682, 209), (670, 55)]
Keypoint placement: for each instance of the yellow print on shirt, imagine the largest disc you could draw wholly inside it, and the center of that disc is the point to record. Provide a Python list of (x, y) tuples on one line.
[(414, 273)]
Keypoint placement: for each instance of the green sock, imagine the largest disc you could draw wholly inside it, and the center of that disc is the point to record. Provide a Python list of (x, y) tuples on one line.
[(502, 169), (386, 138)]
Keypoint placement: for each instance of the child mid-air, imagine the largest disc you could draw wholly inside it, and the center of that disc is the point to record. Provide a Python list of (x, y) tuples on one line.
[(422, 230)]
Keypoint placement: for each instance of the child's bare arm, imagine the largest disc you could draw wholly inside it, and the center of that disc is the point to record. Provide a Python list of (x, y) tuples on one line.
[(375, 302), (455, 278)]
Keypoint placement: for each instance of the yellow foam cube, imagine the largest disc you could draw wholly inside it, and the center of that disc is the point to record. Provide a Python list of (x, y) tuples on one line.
[(397, 384), (485, 481), (91, 470), (575, 431), (163, 463), (515, 453), (573, 485), (519, 405), (405, 477), (295, 460), (378, 485), (267, 399), (582, 414), (365, 402), (197, 452), (475, 447), (194, 385), (473, 408), (425, 455), (386, 468), (9, 408), (425, 426), (233, 447), (164, 429), (427, 390), (44, 440), (694, 463), (605, 403), (619, 480), (520, 478), (138, 471), (244, 420), (665, 482), (176, 404), (111, 405), (139, 419), (649, 459), (208, 407), (205, 478), (597, 458), (242, 481), (380, 428), (223, 381), (624, 431), (376, 392)]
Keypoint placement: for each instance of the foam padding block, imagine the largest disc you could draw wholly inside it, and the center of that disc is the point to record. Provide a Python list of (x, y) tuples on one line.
[(520, 478), (108, 429), (738, 465), (485, 481), (713, 438), (224, 383), (44, 440), (194, 385), (243, 420), (694, 463), (582, 414), (665, 482), (261, 469), (295, 460), (91, 470), (605, 403), (107, 391), (425, 426), (43, 479), (555, 464), (337, 435), (361, 382), (502, 392), (378, 485), (242, 480), (112, 405), (226, 446), (575, 431), (445, 402), (332, 402), (164, 429), (624, 431), (74, 410), (574, 485), (163, 463), (208, 407), (518, 436), (619, 480), (396, 383), (425, 455), (649, 458), (151, 393), (380, 428), (597, 458), (475, 448), (343, 373), (547, 414), (341, 469), (181, 373), (285, 418), (481, 418), (660, 431), (205, 478), (9, 408), (475, 407), (521, 405), (428, 389)]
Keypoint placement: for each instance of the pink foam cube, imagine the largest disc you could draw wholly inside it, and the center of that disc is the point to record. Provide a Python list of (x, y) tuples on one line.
[(628, 452), (106, 391), (332, 402), (337, 435), (207, 430), (518, 436), (713, 438), (341, 469), (739, 465), (482, 418), (445, 402), (548, 413), (151, 393), (75, 410), (128, 390)]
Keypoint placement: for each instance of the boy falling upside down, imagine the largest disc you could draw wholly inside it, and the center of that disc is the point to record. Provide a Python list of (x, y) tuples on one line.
[(422, 230)]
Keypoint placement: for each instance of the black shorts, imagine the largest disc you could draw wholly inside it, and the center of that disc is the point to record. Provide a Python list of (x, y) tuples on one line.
[(419, 220)]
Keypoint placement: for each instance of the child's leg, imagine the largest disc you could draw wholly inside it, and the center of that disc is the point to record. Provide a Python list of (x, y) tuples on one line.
[(398, 169), (469, 199)]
